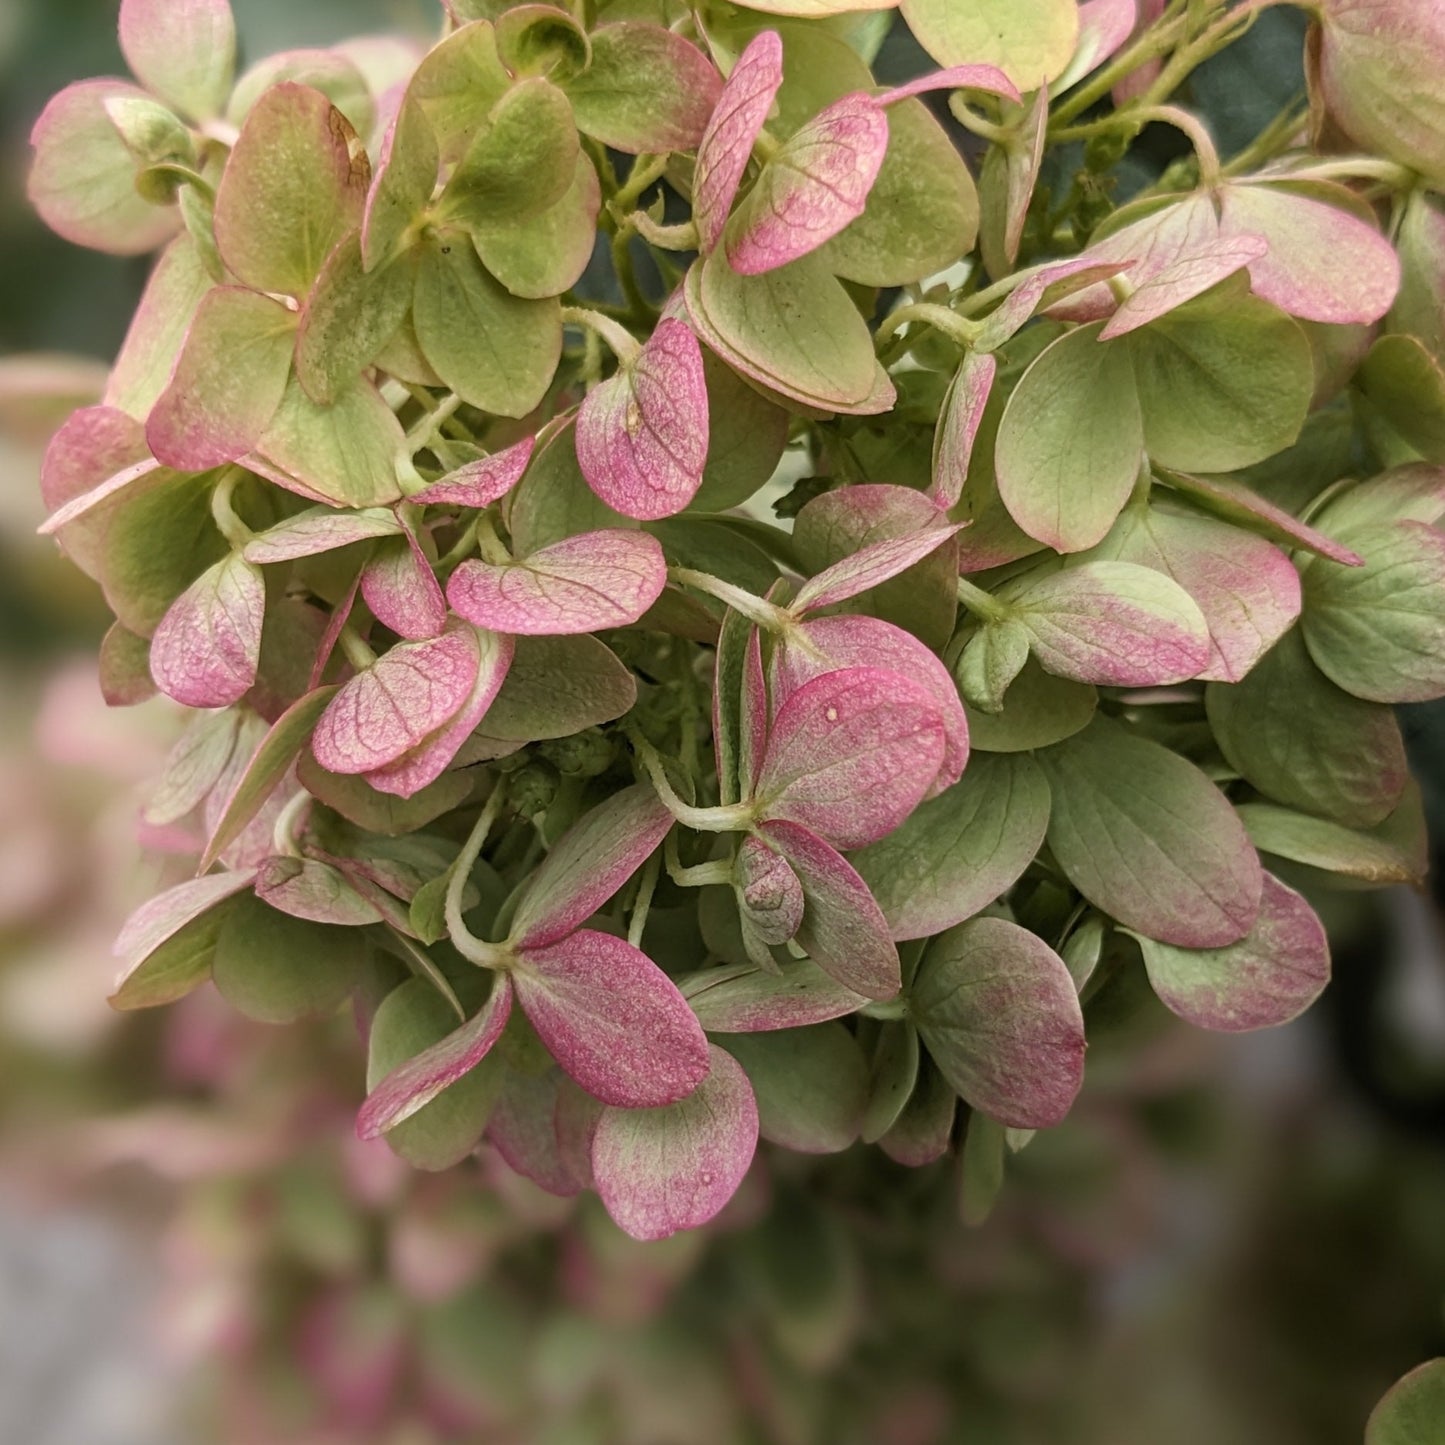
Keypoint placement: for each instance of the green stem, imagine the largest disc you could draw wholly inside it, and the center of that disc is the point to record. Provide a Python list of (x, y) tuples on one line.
[(731, 818), (954, 326), (1149, 46), (424, 433), (485, 955), (494, 550), (621, 342), (358, 654), (646, 887), (756, 609), (231, 527), (645, 170), (714, 872), (288, 825), (980, 603)]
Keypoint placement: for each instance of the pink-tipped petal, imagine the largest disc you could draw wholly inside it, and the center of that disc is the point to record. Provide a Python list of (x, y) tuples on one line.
[(588, 864), (424, 764), (815, 186), (827, 643), (83, 178), (612, 1019), (1190, 276), (580, 584), (91, 445), (227, 383), (851, 754), (642, 435), (414, 1084), (959, 424), (1000, 1015), (1115, 624), (319, 529), (316, 891), (956, 77), (181, 50), (727, 143), (208, 645), (402, 590), (1275, 972), (662, 1170), (871, 566), (1323, 263), (398, 702), (843, 930), (479, 483)]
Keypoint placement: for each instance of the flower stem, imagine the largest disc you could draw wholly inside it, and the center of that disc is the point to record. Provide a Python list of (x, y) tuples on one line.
[(485, 955)]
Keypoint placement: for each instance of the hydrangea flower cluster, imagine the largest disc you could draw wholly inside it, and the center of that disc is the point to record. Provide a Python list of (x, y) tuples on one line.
[(634, 821)]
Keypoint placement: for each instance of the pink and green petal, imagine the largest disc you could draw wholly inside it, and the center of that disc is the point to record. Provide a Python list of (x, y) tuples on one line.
[(208, 645), (667, 1169), (642, 435), (581, 584), (402, 590), (612, 1019)]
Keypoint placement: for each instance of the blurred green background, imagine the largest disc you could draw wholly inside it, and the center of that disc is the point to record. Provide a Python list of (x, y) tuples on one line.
[(1230, 1242)]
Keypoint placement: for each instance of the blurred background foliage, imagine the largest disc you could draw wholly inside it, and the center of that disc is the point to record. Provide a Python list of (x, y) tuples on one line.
[(1231, 1241)]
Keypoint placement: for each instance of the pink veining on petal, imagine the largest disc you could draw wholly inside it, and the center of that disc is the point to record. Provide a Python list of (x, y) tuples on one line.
[(315, 890), (817, 183), (589, 863), (580, 584), (1190, 276), (480, 483), (727, 143), (822, 644), (523, 1130), (414, 1084), (612, 1019), (957, 77), (872, 565), (642, 435), (320, 530), (208, 645), (661, 1171), (399, 701), (402, 590), (424, 764), (958, 426), (851, 754)]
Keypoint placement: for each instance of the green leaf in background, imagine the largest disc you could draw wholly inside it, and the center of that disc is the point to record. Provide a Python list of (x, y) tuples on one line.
[(350, 316), (990, 662), (1030, 42), (811, 1085), (443, 1132), (1071, 441), (746, 437), (277, 969), (1412, 1409), (522, 163), (997, 1010), (495, 350), (1394, 851), (1223, 382), (981, 1169), (1039, 710), (793, 329), (294, 187), (1378, 631), (167, 944), (553, 501), (892, 1075), (344, 453), (1147, 838), (557, 686), (961, 850), (1302, 740), (547, 253)]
